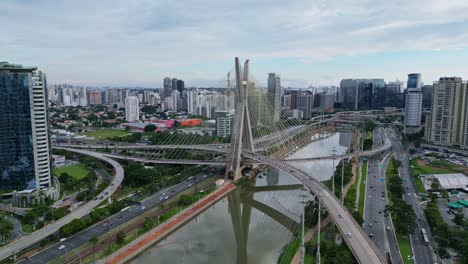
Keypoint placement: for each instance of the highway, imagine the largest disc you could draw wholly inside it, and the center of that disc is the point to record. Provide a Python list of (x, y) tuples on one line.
[(223, 148), (26, 241), (375, 222), (114, 221), (358, 242), (422, 253)]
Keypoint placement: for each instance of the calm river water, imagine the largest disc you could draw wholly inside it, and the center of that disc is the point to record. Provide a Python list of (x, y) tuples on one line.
[(210, 237)]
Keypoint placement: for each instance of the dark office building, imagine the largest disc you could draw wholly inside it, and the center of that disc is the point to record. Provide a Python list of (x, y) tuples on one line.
[(24, 131)]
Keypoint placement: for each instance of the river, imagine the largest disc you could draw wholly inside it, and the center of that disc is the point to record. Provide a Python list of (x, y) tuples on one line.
[(210, 238)]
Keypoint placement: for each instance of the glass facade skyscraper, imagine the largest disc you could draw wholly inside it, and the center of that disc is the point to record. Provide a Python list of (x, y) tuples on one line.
[(24, 142), (413, 103)]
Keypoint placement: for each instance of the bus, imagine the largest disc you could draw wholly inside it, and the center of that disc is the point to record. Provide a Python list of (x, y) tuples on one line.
[(425, 237)]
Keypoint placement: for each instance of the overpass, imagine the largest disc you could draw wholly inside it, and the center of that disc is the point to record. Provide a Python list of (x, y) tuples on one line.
[(166, 161), (18, 245)]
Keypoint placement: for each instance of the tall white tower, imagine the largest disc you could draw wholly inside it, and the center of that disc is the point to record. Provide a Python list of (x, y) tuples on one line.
[(132, 110)]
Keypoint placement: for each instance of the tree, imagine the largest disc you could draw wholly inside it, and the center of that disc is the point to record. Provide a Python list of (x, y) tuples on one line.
[(459, 219), (405, 216), (185, 200), (367, 145), (149, 223), (150, 128), (120, 237), (434, 185)]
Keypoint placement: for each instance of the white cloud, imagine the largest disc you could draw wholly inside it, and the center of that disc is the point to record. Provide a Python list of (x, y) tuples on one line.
[(143, 40)]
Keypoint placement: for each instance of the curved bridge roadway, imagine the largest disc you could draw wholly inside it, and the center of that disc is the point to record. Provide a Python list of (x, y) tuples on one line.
[(362, 248), (20, 244), (368, 153)]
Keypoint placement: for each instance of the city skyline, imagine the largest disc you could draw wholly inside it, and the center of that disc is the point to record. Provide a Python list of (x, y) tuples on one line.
[(315, 43)]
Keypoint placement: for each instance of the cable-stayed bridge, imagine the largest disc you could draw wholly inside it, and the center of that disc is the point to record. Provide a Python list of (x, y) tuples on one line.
[(256, 138)]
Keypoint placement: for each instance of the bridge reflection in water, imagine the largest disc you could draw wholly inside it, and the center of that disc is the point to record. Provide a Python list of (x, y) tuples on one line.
[(210, 238), (251, 225)]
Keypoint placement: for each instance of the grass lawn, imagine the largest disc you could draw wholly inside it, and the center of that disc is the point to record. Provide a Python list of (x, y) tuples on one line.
[(419, 185), (106, 133), (417, 168), (405, 249), (77, 171), (362, 193), (27, 228)]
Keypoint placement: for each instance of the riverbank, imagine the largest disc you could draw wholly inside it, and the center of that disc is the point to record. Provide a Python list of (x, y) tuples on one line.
[(142, 243)]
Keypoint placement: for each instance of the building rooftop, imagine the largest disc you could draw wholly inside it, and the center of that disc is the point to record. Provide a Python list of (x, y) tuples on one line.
[(451, 180), (15, 67)]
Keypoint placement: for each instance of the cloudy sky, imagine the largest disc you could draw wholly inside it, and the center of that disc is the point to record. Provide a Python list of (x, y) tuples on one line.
[(309, 42)]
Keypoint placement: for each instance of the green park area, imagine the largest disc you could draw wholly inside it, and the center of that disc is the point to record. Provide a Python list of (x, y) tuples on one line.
[(420, 167), (438, 166), (77, 171), (106, 133)]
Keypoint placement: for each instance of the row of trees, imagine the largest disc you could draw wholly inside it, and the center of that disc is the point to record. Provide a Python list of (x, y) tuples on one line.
[(446, 237), (136, 175), (402, 212), (43, 212), (94, 216)]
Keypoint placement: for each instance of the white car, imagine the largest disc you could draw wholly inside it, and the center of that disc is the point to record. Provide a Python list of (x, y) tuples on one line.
[(61, 247), (349, 235)]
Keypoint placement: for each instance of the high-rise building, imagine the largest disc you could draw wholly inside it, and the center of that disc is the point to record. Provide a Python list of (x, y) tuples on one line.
[(305, 103), (174, 84), (323, 102), (427, 96), (413, 103), (274, 94), (180, 86), (167, 88), (449, 120), (359, 93), (94, 97), (25, 154), (224, 122), (132, 109), (176, 102)]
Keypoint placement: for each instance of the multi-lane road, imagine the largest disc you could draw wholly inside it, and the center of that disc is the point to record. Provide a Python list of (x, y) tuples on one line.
[(27, 241), (377, 226), (422, 252), (115, 221), (361, 246)]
